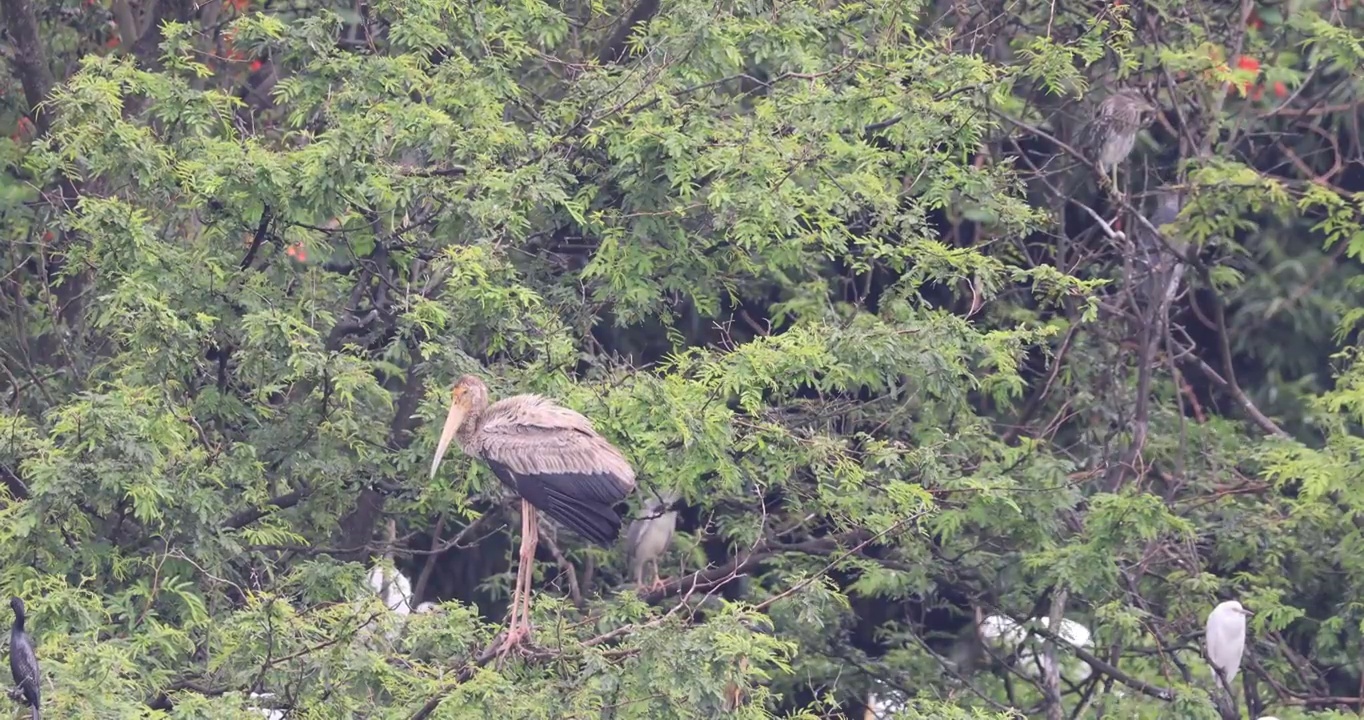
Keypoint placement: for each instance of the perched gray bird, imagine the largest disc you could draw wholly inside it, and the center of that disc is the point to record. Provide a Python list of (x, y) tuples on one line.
[(23, 662), (649, 536), (1111, 133), (1162, 270), (554, 460), (1167, 206)]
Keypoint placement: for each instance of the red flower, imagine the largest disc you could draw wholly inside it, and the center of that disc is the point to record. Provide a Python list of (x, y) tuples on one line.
[(1247, 63), (1280, 90), (24, 132), (297, 252), (112, 42), (255, 66)]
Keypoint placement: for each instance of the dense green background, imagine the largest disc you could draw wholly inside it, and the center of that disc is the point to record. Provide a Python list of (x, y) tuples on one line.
[(830, 270)]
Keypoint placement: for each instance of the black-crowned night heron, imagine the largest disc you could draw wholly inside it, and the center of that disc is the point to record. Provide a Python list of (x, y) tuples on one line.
[(1112, 132), (649, 535), (1160, 268)]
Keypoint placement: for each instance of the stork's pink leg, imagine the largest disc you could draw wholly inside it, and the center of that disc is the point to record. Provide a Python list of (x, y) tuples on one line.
[(513, 635), (528, 558), (519, 625)]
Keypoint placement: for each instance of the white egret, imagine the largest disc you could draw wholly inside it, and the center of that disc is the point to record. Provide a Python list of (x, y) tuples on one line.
[(1002, 632), (393, 586), (884, 703), (395, 592), (1226, 640), (267, 713)]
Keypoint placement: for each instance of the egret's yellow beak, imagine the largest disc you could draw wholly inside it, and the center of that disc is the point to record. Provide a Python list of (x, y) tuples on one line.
[(453, 420)]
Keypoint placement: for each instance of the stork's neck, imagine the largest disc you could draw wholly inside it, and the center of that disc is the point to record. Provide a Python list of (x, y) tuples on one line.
[(473, 422)]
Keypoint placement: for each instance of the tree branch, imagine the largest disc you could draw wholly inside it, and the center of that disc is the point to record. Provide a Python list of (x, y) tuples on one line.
[(283, 502), (617, 45), (1137, 684), (149, 34), (1247, 405), (265, 216), (30, 58)]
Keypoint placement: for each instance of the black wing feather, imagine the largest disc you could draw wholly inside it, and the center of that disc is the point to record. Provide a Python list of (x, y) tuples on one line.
[(581, 502)]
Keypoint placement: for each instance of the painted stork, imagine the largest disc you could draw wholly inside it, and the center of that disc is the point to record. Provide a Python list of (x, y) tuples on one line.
[(554, 460)]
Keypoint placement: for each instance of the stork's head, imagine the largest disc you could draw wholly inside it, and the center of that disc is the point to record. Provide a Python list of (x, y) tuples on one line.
[(469, 397), (17, 606), (1234, 606)]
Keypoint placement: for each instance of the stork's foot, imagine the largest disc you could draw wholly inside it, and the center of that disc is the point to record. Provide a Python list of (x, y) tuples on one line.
[(16, 694), (657, 585), (514, 639)]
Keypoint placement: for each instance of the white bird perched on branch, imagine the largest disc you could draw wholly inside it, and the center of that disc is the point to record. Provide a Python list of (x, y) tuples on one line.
[(267, 713), (884, 703), (1002, 632), (1225, 639), (393, 586)]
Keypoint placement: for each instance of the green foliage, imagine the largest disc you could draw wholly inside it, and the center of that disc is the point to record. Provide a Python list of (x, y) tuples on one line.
[(808, 265)]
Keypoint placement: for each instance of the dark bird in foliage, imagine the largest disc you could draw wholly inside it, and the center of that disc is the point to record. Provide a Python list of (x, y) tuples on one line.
[(23, 662), (649, 536), (1167, 206), (1163, 268), (1111, 133), (554, 460)]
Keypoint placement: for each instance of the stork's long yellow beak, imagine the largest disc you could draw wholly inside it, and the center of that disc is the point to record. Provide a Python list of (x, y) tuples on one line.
[(453, 420)]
